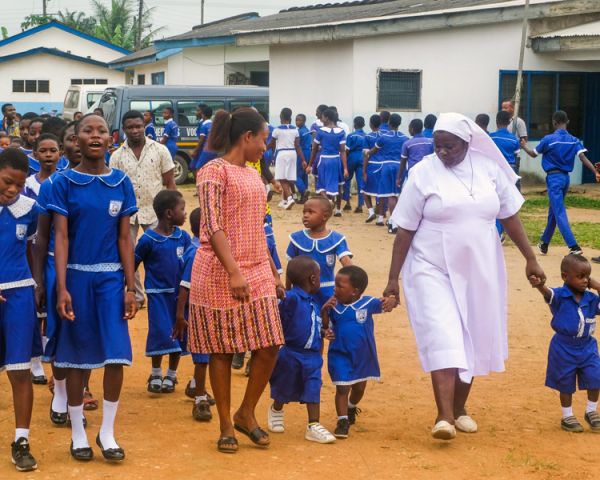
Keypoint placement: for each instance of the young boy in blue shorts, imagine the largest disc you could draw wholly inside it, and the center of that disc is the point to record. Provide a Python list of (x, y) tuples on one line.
[(573, 353), (297, 373), (19, 331), (559, 150)]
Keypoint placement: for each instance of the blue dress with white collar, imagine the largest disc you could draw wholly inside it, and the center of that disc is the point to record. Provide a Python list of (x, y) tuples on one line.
[(352, 356), (325, 251), (94, 206), (163, 264)]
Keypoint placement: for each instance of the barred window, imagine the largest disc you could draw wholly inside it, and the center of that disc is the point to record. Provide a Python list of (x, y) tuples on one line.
[(399, 90), (31, 86)]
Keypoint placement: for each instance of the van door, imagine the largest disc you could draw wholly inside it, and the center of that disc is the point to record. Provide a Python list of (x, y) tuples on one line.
[(187, 121)]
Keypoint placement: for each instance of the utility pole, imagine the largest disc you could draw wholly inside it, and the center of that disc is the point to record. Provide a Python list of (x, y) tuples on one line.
[(138, 40), (202, 12), (520, 71), (45, 7)]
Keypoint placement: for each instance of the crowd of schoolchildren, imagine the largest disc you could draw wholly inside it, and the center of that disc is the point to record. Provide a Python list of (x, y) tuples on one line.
[(66, 264)]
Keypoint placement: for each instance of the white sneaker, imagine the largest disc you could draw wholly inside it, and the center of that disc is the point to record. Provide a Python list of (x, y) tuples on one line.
[(443, 430), (275, 420), (289, 204), (282, 204), (466, 424), (318, 433)]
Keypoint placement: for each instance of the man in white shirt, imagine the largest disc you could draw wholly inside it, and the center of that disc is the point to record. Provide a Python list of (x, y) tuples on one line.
[(150, 167)]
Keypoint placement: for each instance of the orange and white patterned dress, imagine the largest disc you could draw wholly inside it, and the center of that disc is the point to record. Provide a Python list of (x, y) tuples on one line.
[(232, 199)]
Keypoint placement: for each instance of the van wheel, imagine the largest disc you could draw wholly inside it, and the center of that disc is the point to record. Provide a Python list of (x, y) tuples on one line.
[(181, 169)]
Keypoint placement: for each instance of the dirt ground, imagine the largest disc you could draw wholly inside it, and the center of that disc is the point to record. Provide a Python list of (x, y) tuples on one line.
[(519, 434)]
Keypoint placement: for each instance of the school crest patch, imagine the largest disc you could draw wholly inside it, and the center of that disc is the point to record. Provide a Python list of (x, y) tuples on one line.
[(21, 231), (114, 207), (330, 259), (361, 315), (180, 252)]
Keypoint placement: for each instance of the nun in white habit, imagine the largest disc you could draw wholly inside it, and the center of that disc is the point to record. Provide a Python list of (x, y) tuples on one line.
[(453, 272)]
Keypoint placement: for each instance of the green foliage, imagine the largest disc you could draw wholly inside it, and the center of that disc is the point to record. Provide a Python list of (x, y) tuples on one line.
[(77, 20), (4, 33), (32, 20), (573, 201)]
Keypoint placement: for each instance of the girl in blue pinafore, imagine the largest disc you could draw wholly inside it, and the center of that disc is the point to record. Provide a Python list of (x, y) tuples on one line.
[(330, 143), (91, 206)]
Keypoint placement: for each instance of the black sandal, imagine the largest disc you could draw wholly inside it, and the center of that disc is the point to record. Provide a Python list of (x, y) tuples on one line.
[(255, 435), (223, 442)]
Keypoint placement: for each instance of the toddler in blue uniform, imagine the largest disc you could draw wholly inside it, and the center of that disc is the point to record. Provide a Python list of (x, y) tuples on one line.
[(196, 387), (559, 151), (318, 242), (19, 329), (161, 251), (95, 280), (352, 355), (573, 353), (297, 373)]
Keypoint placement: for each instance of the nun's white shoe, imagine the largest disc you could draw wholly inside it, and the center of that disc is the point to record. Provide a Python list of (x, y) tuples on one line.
[(466, 424), (443, 430)]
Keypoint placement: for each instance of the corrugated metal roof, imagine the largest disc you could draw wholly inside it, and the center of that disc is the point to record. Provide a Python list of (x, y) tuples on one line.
[(591, 29), (143, 53), (219, 28)]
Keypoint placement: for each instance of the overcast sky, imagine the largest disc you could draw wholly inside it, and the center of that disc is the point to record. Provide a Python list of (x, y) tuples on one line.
[(176, 15)]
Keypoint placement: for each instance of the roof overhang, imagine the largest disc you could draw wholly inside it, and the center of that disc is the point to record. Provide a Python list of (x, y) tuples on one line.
[(416, 22), (152, 58), (576, 39), (194, 42)]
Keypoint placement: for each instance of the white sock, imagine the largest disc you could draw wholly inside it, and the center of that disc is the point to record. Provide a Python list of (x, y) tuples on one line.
[(351, 405), (380, 218), (591, 406), (107, 430), (36, 367), (77, 430), (59, 402), (371, 211), (200, 398), (44, 342), (343, 417), (21, 432), (567, 411), (193, 383), (157, 372), (171, 373)]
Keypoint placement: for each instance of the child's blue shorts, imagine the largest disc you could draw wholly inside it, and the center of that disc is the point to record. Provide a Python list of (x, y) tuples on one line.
[(371, 187), (297, 376), (387, 180), (162, 308), (570, 360)]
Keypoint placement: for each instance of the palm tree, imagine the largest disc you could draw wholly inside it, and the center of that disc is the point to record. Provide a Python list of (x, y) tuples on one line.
[(77, 20)]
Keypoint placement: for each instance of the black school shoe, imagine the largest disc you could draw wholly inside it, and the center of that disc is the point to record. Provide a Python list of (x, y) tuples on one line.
[(575, 250), (352, 414), (21, 456), (111, 454), (39, 379), (238, 361), (543, 248), (342, 428), (85, 454)]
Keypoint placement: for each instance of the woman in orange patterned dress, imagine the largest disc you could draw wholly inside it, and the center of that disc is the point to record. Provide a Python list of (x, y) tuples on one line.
[(234, 288)]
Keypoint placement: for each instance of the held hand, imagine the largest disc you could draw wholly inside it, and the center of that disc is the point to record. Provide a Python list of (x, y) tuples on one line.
[(40, 298), (536, 281), (533, 269), (239, 287), (279, 289), (130, 306), (392, 291), (329, 334), (308, 169), (179, 328), (304, 166), (389, 303), (64, 306)]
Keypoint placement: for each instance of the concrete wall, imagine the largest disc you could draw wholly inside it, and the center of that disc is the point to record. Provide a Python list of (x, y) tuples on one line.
[(149, 69), (58, 71), (55, 38)]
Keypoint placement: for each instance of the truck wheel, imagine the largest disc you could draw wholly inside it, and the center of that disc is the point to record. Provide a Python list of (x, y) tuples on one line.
[(181, 169)]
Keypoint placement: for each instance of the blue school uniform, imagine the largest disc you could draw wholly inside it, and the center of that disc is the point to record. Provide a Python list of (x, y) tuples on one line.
[(390, 146), (268, 155), (324, 251), (306, 140), (355, 144), (273, 247), (150, 131), (415, 149), (297, 373), (53, 320), (508, 144), (32, 187), (330, 140), (352, 356), (371, 186), (186, 282), (206, 155), (162, 257), (573, 353), (171, 131), (194, 162), (558, 151), (94, 206), (428, 132), (20, 338)]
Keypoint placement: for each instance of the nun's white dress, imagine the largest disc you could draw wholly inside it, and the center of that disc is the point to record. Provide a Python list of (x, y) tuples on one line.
[(454, 276)]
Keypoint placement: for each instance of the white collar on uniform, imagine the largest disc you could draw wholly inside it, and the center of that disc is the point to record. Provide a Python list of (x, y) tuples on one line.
[(21, 207), (362, 302)]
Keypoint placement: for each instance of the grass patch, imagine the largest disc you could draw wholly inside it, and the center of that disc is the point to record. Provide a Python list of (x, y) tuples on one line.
[(573, 201)]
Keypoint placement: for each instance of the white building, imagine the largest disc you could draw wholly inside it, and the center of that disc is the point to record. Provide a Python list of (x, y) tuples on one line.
[(37, 66), (207, 55), (435, 56)]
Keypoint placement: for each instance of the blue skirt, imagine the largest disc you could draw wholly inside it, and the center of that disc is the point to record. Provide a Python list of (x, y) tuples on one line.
[(328, 171), (387, 180), (371, 187), (162, 308), (99, 335), (297, 376), (352, 356)]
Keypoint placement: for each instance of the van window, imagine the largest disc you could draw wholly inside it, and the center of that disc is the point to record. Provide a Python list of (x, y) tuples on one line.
[(186, 110), (260, 104), (108, 104), (92, 98), (72, 99), (155, 106)]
